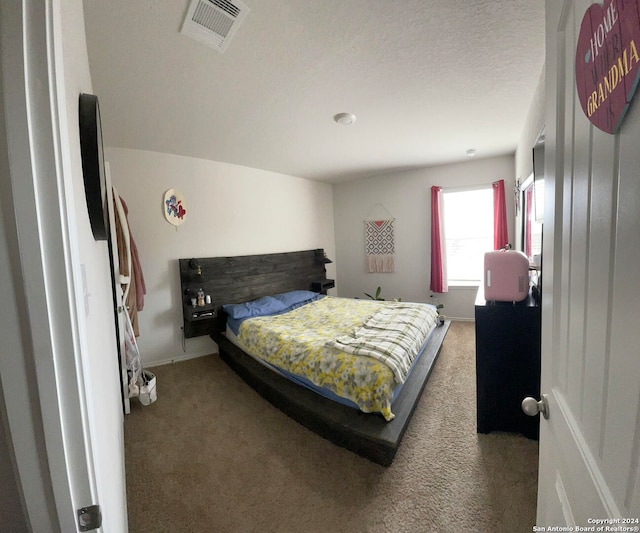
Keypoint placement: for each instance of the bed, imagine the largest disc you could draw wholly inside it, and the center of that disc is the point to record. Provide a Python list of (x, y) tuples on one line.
[(333, 381)]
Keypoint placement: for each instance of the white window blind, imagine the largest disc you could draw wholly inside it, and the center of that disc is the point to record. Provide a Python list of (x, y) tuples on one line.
[(468, 223)]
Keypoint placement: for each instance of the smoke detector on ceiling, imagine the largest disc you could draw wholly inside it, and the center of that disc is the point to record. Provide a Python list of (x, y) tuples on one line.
[(346, 119), (214, 22)]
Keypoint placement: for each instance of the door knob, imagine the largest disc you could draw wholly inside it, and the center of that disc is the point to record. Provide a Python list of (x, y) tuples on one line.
[(532, 407)]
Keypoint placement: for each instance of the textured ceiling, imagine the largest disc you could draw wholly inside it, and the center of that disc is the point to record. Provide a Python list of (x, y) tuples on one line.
[(426, 79)]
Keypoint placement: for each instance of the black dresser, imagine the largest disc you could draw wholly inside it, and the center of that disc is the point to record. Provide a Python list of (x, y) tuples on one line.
[(507, 364)]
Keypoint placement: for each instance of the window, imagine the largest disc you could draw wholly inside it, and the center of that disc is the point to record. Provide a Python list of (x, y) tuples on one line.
[(468, 228)]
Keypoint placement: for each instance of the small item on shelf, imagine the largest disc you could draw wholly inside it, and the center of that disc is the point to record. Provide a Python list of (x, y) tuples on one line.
[(194, 302), (207, 299), (200, 298)]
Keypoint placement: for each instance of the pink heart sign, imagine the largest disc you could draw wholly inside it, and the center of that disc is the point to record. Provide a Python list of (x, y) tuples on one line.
[(608, 61)]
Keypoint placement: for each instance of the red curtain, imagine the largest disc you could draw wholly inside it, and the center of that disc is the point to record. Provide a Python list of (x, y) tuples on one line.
[(500, 230), (438, 255)]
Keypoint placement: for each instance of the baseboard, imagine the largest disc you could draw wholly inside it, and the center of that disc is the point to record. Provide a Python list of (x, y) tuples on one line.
[(177, 359)]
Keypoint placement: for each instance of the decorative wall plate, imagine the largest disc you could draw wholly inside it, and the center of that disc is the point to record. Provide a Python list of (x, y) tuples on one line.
[(175, 210), (608, 61)]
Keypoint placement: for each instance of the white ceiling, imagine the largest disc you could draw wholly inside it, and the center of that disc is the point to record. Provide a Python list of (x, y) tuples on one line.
[(426, 79)]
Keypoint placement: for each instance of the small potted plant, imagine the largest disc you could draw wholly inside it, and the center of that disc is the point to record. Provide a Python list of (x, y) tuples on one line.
[(439, 307), (378, 297)]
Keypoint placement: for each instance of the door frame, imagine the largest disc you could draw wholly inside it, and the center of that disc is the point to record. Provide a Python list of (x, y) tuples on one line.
[(42, 377)]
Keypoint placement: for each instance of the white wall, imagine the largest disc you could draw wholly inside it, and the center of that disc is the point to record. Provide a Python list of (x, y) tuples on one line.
[(532, 128), (530, 132), (231, 210), (91, 269), (13, 514), (406, 197)]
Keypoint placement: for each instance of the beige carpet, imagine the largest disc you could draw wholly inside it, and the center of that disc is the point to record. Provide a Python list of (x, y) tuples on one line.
[(212, 456)]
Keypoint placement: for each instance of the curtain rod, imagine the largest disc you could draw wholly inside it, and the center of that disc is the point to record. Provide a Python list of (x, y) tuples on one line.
[(461, 188)]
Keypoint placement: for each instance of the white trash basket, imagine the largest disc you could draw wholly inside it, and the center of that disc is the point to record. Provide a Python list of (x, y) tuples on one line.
[(148, 388)]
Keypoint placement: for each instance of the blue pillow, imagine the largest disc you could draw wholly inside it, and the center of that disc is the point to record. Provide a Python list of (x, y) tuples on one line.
[(293, 299), (262, 306)]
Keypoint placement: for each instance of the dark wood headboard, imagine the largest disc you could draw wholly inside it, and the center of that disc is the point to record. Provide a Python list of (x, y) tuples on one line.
[(242, 278)]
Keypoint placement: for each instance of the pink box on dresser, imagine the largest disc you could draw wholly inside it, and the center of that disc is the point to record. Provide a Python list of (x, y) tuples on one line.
[(506, 276)]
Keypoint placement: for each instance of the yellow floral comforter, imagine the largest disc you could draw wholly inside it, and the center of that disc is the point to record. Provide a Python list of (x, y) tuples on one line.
[(297, 343)]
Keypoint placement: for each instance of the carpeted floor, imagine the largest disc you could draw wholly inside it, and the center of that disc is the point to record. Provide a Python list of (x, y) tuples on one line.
[(210, 455)]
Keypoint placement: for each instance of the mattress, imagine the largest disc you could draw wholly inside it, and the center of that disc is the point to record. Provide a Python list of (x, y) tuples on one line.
[(300, 345)]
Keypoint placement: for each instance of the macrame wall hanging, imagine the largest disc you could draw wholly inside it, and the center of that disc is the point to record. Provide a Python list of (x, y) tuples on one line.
[(379, 244)]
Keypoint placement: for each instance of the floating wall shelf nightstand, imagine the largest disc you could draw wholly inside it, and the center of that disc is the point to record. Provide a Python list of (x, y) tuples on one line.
[(323, 285), (198, 320)]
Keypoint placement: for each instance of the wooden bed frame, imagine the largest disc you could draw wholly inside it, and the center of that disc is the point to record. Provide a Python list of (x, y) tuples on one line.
[(238, 279)]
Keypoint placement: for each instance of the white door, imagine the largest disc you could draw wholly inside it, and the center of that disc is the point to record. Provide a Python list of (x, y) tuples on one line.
[(589, 446), (60, 377)]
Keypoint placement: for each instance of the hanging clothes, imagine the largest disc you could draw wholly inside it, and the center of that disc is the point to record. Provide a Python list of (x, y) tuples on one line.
[(141, 382), (131, 276)]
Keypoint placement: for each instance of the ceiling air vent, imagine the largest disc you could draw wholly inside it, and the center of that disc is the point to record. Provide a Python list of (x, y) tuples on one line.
[(214, 22)]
